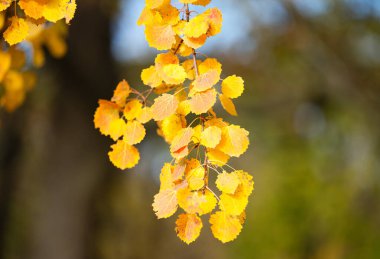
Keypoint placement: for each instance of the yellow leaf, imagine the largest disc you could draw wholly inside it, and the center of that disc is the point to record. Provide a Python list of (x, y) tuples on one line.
[(196, 178), (132, 109), (206, 81), (233, 86), (164, 59), (217, 157), (70, 11), (246, 182), (169, 14), (179, 146), (150, 77), (5, 64), (4, 4), (164, 106), (201, 202), (196, 27), (210, 64), (184, 108), (211, 137), (195, 43), (17, 31), (233, 204), (234, 141), (202, 102), (165, 203), (149, 17), (225, 227), (121, 93), (153, 4), (174, 74), (215, 19), (197, 134), (228, 105), (33, 8), (134, 132), (170, 127), (227, 182), (188, 227), (117, 128), (145, 115), (55, 10), (166, 179), (179, 171), (161, 37), (123, 155), (201, 2), (105, 114)]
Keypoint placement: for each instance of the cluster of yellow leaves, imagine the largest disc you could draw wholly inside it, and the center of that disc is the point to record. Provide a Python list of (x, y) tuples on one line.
[(188, 89), (37, 22), (34, 13), (165, 30), (122, 119)]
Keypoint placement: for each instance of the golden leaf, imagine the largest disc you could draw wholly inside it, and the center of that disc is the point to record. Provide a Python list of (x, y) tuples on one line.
[(202, 102), (164, 106), (134, 132), (233, 86), (234, 141), (201, 202), (165, 203), (121, 93), (17, 31), (123, 155), (188, 227), (211, 137), (225, 227), (161, 37), (105, 114), (228, 105), (227, 182)]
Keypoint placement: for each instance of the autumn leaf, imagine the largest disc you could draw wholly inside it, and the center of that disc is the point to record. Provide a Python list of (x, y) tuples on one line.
[(165, 203), (134, 132), (180, 142), (106, 113), (202, 102), (164, 106), (188, 227), (211, 137), (161, 37), (132, 109), (201, 202), (217, 157), (228, 105), (233, 87), (234, 141), (225, 227), (233, 204), (121, 93), (123, 155), (206, 81), (227, 182), (210, 64), (17, 31), (196, 178), (4, 4), (166, 177)]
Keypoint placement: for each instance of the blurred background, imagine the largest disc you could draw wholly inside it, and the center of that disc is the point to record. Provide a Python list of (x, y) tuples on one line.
[(312, 105)]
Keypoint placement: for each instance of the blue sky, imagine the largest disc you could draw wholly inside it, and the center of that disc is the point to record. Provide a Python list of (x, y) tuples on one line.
[(239, 17)]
